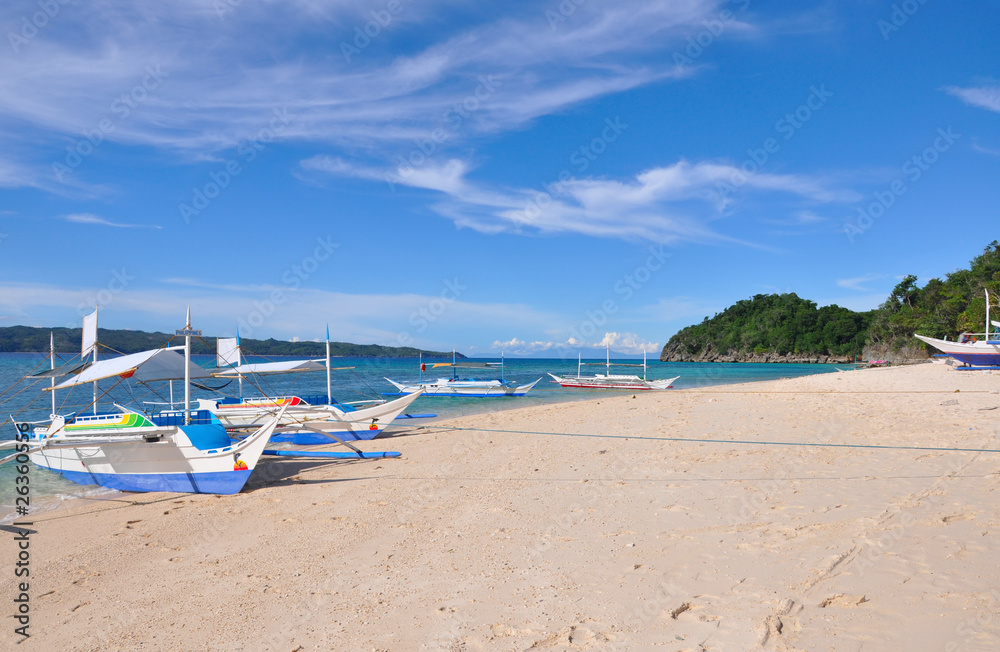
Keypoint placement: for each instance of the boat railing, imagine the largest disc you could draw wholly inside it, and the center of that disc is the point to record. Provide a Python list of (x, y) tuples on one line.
[(176, 418), (95, 418), (315, 399), (992, 337), (311, 399)]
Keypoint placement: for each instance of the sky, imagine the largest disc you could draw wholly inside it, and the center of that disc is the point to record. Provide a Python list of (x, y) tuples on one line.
[(537, 177)]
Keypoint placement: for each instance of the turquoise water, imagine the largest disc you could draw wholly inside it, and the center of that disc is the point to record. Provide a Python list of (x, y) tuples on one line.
[(365, 380)]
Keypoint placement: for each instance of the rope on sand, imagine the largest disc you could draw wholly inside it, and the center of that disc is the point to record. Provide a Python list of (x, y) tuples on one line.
[(877, 391), (746, 442)]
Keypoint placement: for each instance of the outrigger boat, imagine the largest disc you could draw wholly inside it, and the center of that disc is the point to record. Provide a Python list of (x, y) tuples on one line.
[(316, 412), (180, 451), (176, 450), (472, 388), (304, 415), (612, 381), (974, 349)]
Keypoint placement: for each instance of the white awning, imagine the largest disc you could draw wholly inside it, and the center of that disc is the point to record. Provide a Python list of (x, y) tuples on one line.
[(283, 367), (143, 367)]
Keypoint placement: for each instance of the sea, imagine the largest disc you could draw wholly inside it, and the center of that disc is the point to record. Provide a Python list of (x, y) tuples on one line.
[(363, 379)]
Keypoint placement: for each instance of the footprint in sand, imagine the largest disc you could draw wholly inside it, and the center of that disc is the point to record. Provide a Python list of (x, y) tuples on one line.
[(843, 600)]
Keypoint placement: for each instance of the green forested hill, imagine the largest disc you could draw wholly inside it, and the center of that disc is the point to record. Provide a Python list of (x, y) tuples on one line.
[(773, 328), (786, 328), (67, 340), (942, 307)]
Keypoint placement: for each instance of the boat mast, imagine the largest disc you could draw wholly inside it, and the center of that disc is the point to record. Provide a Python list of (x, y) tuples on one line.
[(329, 392), (501, 366), (52, 365), (239, 360), (170, 384), (608, 348), (644, 363), (187, 368), (987, 314), (187, 332), (454, 361), (96, 308)]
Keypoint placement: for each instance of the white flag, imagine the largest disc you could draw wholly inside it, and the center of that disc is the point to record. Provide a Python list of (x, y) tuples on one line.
[(228, 352), (89, 335)]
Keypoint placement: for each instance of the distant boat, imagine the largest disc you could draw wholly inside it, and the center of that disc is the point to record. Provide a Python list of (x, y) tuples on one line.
[(975, 349), (612, 381), (468, 388)]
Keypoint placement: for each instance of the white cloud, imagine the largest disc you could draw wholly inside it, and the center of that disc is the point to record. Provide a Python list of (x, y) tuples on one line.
[(90, 218), (984, 97), (628, 343), (985, 150), (663, 204), (215, 88), (15, 173), (857, 282)]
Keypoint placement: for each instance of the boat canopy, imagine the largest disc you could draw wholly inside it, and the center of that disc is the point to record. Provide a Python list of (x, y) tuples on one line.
[(281, 367), (466, 364), (144, 367), (62, 370)]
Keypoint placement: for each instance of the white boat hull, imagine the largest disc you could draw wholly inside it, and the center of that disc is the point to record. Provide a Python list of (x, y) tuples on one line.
[(466, 388), (983, 353), (154, 459), (612, 381), (362, 424)]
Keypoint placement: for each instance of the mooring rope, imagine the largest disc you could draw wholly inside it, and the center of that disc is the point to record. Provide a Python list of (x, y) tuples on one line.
[(697, 440)]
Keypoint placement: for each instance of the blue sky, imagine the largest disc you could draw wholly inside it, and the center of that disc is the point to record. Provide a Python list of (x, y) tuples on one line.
[(444, 173)]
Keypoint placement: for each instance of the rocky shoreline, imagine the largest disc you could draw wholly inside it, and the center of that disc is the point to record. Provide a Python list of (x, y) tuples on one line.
[(672, 353)]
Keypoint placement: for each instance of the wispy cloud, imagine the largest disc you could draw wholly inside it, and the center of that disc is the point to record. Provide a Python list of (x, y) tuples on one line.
[(628, 343), (985, 150), (664, 204), (857, 283), (90, 218), (985, 97), (16, 173), (68, 79)]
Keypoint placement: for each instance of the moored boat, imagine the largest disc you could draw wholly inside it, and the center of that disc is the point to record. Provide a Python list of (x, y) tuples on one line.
[(180, 450), (307, 419), (974, 349), (304, 415), (612, 381), (468, 388)]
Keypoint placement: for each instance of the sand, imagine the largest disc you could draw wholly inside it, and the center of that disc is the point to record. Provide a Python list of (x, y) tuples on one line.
[(479, 540)]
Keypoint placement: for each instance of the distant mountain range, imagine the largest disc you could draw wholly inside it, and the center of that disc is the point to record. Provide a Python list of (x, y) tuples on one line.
[(15, 339)]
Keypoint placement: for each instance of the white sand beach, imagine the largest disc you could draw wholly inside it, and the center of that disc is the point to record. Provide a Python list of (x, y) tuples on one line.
[(490, 540)]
